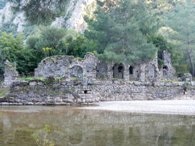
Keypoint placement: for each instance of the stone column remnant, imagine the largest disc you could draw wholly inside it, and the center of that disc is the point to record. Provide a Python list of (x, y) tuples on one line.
[(10, 73)]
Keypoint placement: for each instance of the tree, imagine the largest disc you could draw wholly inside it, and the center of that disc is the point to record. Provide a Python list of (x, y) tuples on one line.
[(12, 48), (48, 37), (54, 41), (122, 32), (181, 20)]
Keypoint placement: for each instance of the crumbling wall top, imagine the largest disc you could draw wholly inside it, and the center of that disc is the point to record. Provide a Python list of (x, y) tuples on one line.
[(10, 73)]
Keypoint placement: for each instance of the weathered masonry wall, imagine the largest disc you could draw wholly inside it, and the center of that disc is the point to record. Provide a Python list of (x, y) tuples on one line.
[(69, 92), (68, 80), (143, 91), (10, 73), (91, 68)]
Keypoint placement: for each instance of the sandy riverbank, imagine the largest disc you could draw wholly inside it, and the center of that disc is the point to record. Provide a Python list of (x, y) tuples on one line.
[(180, 107)]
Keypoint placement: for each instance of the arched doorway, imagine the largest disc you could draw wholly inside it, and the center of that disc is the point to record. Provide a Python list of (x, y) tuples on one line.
[(131, 73), (118, 71), (165, 70), (76, 71), (131, 68)]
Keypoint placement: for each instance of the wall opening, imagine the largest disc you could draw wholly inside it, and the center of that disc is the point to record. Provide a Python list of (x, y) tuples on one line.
[(85, 91), (131, 70), (118, 71), (165, 70)]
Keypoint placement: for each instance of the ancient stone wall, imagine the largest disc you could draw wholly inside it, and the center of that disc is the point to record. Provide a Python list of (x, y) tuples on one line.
[(56, 66), (74, 91), (68, 67), (69, 80), (92, 69), (140, 91), (10, 73), (167, 71)]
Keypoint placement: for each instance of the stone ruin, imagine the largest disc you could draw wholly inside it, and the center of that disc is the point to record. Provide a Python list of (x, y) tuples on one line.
[(68, 80), (90, 69), (167, 71), (10, 73), (68, 67)]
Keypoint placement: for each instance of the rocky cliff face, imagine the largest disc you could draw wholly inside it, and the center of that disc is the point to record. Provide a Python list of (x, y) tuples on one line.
[(13, 17)]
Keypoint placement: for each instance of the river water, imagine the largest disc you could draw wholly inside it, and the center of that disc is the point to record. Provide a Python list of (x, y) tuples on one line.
[(72, 126)]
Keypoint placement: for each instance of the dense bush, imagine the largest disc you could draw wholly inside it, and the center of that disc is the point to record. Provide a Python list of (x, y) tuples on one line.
[(54, 41), (12, 48)]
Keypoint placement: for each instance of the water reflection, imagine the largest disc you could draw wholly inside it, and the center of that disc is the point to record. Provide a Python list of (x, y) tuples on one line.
[(62, 126)]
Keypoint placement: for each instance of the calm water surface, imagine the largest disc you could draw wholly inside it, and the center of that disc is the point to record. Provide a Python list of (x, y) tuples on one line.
[(68, 126)]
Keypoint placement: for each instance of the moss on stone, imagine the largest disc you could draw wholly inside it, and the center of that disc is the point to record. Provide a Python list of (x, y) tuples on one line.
[(3, 92), (32, 78)]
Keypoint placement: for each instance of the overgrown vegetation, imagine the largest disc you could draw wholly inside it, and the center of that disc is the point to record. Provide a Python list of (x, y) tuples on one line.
[(120, 31), (46, 42)]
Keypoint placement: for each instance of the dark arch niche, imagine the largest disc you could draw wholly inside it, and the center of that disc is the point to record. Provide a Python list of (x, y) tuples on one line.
[(165, 70), (76, 71), (131, 68), (118, 71)]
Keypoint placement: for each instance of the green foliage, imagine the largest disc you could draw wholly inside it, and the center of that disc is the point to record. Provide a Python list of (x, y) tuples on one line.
[(32, 78), (182, 68), (183, 34), (121, 33), (162, 6), (80, 46), (55, 41), (47, 43), (44, 11), (162, 44), (12, 49)]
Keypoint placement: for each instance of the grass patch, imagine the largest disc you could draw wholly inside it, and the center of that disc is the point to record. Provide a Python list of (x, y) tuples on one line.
[(32, 78), (3, 92)]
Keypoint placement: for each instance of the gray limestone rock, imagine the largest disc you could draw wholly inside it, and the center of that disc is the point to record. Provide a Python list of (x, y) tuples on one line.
[(10, 73), (167, 70)]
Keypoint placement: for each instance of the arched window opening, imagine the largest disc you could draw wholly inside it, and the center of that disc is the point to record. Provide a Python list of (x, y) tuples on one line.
[(118, 71), (131, 70), (165, 70)]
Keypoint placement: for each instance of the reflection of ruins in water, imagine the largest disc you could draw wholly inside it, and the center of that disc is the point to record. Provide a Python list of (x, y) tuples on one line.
[(68, 127)]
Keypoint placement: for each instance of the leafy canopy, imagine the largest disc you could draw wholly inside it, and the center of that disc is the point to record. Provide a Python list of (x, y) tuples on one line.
[(122, 32), (12, 48), (181, 21)]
